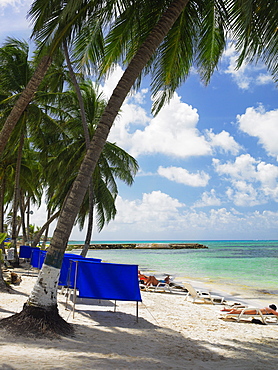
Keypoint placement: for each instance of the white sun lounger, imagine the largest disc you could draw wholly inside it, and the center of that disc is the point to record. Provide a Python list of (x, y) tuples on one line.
[(162, 286), (244, 315), (204, 297)]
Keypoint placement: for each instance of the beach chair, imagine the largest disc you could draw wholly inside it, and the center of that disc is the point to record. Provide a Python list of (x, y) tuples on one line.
[(204, 297), (249, 314), (159, 288), (162, 286)]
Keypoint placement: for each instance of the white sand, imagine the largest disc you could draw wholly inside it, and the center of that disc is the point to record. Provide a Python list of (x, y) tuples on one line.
[(171, 334)]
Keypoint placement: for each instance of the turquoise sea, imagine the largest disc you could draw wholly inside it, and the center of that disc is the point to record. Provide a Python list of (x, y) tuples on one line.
[(250, 263)]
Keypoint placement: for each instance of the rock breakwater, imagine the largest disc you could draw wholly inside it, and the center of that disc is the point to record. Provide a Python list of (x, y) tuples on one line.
[(149, 246)]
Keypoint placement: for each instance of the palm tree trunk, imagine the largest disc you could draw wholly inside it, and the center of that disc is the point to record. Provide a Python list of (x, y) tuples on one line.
[(43, 298), (38, 235), (22, 212), (23, 101), (46, 229), (87, 143), (78, 94), (89, 228), (16, 197), (2, 194), (28, 221), (71, 207)]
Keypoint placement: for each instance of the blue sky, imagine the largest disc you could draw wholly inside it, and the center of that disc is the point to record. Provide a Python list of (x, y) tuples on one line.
[(208, 160)]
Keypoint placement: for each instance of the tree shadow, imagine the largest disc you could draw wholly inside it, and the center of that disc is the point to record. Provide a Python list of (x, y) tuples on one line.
[(6, 367)]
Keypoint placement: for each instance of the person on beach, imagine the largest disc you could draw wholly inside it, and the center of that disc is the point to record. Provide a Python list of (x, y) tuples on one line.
[(152, 280), (142, 278), (271, 309)]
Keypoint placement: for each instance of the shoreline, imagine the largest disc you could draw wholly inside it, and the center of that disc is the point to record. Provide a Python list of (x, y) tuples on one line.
[(238, 289)]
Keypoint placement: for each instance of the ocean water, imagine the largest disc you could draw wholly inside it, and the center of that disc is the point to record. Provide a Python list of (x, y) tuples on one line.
[(250, 264)]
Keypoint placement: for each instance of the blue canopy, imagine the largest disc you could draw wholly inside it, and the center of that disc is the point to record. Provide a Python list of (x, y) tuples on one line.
[(25, 251), (37, 258), (108, 281), (67, 273)]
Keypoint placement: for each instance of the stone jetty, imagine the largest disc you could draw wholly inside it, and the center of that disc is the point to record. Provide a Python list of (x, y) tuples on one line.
[(149, 246)]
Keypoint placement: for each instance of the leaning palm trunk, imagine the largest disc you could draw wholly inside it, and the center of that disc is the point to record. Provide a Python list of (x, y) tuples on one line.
[(87, 143), (88, 238), (16, 199), (43, 298), (23, 101), (22, 213), (38, 235)]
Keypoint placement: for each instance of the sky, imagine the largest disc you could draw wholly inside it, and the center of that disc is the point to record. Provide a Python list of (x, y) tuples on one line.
[(208, 160)]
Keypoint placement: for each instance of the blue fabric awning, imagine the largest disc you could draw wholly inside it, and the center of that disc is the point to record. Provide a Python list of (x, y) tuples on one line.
[(25, 251), (37, 258), (68, 269), (108, 281)]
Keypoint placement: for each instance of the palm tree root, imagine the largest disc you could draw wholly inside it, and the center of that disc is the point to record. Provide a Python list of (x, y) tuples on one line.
[(38, 322)]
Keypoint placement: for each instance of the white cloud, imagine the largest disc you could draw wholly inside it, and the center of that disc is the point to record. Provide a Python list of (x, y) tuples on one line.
[(208, 199), (224, 141), (268, 176), (13, 3), (154, 211), (111, 81), (252, 181), (172, 132), (159, 216), (243, 194), (248, 74), (263, 125), (13, 15), (264, 79), (242, 168), (182, 176)]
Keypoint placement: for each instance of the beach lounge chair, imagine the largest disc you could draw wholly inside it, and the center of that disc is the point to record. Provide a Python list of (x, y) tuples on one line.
[(204, 297), (162, 286), (250, 313), (165, 287)]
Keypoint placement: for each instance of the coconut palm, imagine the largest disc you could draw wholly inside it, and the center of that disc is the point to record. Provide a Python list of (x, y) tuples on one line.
[(15, 72), (195, 22), (43, 298), (66, 154)]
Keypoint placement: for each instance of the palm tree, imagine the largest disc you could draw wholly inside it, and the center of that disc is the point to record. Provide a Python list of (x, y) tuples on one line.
[(44, 300), (15, 72), (67, 152)]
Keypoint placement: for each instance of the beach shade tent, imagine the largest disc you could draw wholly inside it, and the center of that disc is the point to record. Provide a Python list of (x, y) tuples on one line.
[(108, 281), (67, 273), (25, 251), (37, 258)]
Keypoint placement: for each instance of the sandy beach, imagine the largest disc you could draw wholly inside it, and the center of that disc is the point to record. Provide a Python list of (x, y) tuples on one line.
[(171, 333)]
